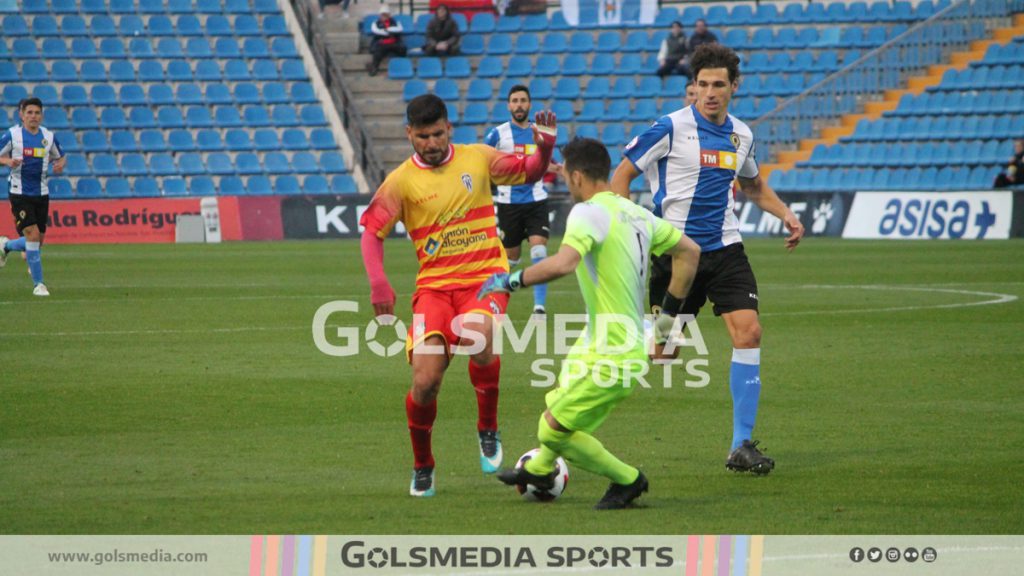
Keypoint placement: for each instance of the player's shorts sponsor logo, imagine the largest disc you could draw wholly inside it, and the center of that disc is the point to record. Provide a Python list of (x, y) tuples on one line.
[(717, 159), (467, 181)]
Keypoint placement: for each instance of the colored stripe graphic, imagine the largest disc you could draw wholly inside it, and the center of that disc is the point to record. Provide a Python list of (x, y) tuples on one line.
[(692, 555), (319, 555), (288, 556), (724, 545), (739, 562), (707, 556), (255, 555), (305, 549), (756, 554), (273, 553)]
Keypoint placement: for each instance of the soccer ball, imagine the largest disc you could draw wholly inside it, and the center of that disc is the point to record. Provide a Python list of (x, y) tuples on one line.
[(531, 492)]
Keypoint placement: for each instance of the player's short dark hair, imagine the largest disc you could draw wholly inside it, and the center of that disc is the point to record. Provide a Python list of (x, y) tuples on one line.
[(425, 110), (30, 101), (715, 56), (588, 156), (518, 88)]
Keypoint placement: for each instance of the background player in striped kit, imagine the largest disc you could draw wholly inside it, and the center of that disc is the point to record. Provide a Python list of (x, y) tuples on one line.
[(522, 209), (690, 158), (28, 149)]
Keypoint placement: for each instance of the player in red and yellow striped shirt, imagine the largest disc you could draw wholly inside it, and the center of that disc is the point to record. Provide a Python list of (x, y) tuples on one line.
[(442, 194)]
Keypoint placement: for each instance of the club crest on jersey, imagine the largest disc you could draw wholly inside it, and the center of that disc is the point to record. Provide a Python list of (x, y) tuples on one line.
[(734, 138), (632, 143), (717, 159), (467, 181)]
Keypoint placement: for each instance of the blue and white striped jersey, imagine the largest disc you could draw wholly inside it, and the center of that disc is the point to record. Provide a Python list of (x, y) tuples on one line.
[(36, 151), (691, 164), (512, 139)]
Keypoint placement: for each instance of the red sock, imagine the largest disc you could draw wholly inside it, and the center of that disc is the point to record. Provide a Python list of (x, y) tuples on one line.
[(421, 423), (485, 381)]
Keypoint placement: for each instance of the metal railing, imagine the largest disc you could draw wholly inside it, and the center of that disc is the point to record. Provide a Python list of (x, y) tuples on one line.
[(887, 67), (344, 101)]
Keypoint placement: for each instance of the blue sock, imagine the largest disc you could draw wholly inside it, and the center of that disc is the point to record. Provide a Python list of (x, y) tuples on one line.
[(745, 384), (16, 245), (35, 263), (540, 291)]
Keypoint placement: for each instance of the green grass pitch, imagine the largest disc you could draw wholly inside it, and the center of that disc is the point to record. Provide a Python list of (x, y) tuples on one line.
[(177, 389)]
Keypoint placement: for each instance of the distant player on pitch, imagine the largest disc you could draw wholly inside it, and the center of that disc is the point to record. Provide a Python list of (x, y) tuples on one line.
[(691, 158), (522, 209), (608, 243), (443, 196), (27, 150)]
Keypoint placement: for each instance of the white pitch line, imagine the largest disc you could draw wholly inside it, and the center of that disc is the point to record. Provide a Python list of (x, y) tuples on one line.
[(995, 298)]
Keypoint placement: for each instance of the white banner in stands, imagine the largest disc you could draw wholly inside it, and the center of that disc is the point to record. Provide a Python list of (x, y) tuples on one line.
[(610, 12), (930, 215)]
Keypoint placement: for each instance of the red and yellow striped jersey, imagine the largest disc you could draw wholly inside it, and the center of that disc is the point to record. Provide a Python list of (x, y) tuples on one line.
[(449, 213)]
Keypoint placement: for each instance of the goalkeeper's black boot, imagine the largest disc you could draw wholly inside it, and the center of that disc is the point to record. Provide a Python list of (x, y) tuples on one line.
[(747, 458), (520, 477), (619, 496)]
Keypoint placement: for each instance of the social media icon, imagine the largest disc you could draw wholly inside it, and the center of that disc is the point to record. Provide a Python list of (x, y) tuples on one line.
[(892, 554), (875, 554), (910, 555), (929, 554), (857, 554)]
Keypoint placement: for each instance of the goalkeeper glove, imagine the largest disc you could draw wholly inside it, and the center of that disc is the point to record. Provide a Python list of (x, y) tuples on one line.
[(502, 282), (666, 320)]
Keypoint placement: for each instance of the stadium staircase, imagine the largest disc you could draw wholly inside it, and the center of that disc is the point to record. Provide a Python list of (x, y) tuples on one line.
[(174, 98), (952, 128)]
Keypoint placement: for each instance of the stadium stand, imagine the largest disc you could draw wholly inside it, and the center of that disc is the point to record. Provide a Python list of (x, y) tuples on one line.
[(184, 97)]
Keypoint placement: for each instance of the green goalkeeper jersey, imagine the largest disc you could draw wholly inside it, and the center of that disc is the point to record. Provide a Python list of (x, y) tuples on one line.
[(616, 239)]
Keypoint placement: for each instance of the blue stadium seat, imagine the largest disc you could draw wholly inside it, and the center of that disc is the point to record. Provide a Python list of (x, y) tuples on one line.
[(617, 110), (574, 65), (609, 42), (293, 70), (257, 48), (209, 141), (301, 92), (540, 89), (275, 26), (473, 45), (479, 89), (313, 116), (276, 163), (84, 118), (343, 184), (294, 139), (122, 71), (77, 166), (257, 116), (198, 48), (15, 25), (247, 163), (554, 43), (322, 139), (141, 48), (508, 24), (259, 185), (150, 71), (231, 186), (95, 141), (247, 93), (159, 95), (499, 45), (266, 139), (413, 88), (220, 164), (45, 25), (247, 25), (482, 23), (113, 118), (475, 113), (593, 111), (191, 164), (332, 163), (65, 72), (53, 118), (169, 48), (152, 141), (457, 67), (201, 186), (305, 163), (581, 42), (73, 25), (34, 71), (105, 165), (131, 165), (766, 14), (116, 188), (527, 43), (24, 48), (196, 116), (238, 69), (286, 185), (427, 68), (648, 87), (315, 184), (567, 89), (88, 188)]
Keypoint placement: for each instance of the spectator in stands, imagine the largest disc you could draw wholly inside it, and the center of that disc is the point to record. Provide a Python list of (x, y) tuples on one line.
[(701, 35), (442, 34), (387, 39), (673, 56), (1014, 174), (691, 93)]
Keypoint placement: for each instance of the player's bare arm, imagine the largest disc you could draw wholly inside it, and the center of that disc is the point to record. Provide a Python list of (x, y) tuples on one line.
[(758, 192), (624, 174)]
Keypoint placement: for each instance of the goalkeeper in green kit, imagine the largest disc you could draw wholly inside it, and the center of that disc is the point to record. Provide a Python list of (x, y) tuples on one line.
[(609, 242)]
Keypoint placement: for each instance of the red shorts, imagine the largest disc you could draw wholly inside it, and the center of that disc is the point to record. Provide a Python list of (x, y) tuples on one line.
[(434, 310)]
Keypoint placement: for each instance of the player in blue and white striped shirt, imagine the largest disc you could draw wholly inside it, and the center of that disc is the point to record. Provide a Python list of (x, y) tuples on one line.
[(691, 157), (523, 209), (28, 149)]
